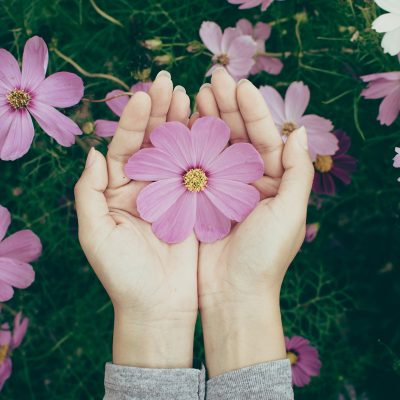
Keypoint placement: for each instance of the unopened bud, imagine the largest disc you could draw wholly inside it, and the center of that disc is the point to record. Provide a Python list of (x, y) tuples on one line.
[(152, 44), (166, 59), (88, 128)]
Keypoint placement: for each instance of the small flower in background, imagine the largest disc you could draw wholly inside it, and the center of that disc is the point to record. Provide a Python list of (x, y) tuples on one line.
[(396, 158), (350, 394), (390, 25), (105, 128), (16, 252), (165, 59), (303, 358), (9, 341), (311, 231), (288, 116), (339, 166), (152, 44), (260, 33), (244, 4), (200, 184), (232, 50), (385, 85), (29, 93)]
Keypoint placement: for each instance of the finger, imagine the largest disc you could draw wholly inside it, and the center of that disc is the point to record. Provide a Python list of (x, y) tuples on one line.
[(297, 179), (180, 106), (193, 119), (128, 137), (267, 186), (206, 103), (224, 89), (91, 205), (261, 128), (161, 96)]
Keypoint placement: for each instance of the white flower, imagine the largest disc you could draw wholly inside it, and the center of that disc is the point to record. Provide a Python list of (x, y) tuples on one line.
[(390, 25)]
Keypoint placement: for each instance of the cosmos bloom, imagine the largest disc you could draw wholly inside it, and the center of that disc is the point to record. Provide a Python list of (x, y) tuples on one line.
[(396, 158), (199, 184), (28, 93), (9, 341), (311, 232), (231, 49), (107, 128), (16, 252), (260, 33), (390, 25), (252, 3), (385, 85), (288, 116), (330, 169), (303, 358)]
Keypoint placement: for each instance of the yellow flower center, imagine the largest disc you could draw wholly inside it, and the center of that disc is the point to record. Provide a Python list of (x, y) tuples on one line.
[(18, 98), (223, 59), (288, 128), (323, 163), (195, 180), (292, 357), (3, 352)]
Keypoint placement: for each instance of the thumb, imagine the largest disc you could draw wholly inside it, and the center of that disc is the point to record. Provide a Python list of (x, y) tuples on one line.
[(298, 174)]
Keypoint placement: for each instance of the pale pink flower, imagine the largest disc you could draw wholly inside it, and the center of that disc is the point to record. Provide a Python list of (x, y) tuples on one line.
[(199, 183), (106, 128), (9, 341), (29, 93), (384, 85), (260, 33), (232, 49), (16, 252), (288, 116), (311, 232), (396, 159), (244, 4), (390, 25)]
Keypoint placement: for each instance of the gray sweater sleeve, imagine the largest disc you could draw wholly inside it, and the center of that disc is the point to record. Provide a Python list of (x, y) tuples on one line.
[(267, 381)]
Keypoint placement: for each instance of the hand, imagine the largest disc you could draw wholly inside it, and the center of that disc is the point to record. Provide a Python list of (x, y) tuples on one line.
[(240, 276), (152, 285)]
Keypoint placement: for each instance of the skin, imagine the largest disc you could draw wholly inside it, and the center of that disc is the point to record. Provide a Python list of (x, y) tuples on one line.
[(157, 289)]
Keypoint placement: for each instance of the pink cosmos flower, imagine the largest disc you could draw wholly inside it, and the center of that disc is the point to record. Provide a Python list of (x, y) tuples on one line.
[(311, 232), (29, 93), (105, 128), (396, 158), (329, 169), (385, 85), (232, 50), (252, 3), (198, 185), (288, 116), (304, 359), (16, 252), (9, 341), (260, 33)]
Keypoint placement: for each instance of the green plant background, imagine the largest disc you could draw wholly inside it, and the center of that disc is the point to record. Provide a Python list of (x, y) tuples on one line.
[(343, 290)]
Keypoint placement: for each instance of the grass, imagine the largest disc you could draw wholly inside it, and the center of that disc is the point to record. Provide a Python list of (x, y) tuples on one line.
[(343, 290)]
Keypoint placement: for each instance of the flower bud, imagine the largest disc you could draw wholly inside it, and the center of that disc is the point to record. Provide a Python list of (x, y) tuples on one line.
[(152, 44), (165, 59)]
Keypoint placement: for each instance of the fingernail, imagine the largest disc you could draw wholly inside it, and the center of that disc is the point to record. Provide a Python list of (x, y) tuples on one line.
[(301, 137), (90, 158), (179, 88), (242, 81), (219, 68), (164, 73), (205, 85)]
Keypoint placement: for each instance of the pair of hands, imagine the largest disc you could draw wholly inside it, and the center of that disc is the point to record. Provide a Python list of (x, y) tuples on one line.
[(156, 288)]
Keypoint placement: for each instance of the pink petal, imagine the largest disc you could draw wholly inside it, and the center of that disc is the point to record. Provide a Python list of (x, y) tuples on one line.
[(379, 88), (211, 35), (211, 224), (23, 246), (34, 63), (296, 101), (152, 164), (19, 330), (62, 89), (240, 67), (141, 87), (295, 342), (6, 291), (178, 222), (5, 220), (156, 199), (262, 31), (10, 74), (315, 124), (323, 143), (392, 76), (5, 371), (55, 124), (391, 42), (228, 38), (239, 162), (271, 65), (389, 108), (104, 128), (300, 378), (5, 334), (275, 103), (245, 26), (209, 135), (242, 48), (234, 199), (174, 139), (19, 137), (118, 104), (16, 273)]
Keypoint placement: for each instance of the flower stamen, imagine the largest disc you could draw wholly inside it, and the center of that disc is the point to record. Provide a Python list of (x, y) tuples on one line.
[(3, 352), (288, 128), (18, 98), (195, 180), (292, 356), (323, 163), (222, 59)]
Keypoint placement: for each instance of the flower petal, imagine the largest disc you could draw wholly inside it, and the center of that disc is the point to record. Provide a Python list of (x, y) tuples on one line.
[(10, 74), (262, 31), (379, 88), (156, 199), (23, 246), (5, 371), (34, 63), (389, 5), (211, 224), (6, 291), (275, 103), (245, 26), (62, 89), (296, 101), (19, 330), (141, 87), (271, 65), (322, 143), (240, 67), (211, 35), (386, 23), (104, 128), (178, 222), (5, 221), (228, 38), (300, 378), (242, 47), (55, 124), (315, 124), (389, 108), (391, 42), (118, 104), (239, 162), (16, 273)]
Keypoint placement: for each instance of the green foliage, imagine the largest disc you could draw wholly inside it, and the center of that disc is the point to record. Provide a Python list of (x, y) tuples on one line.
[(342, 292)]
